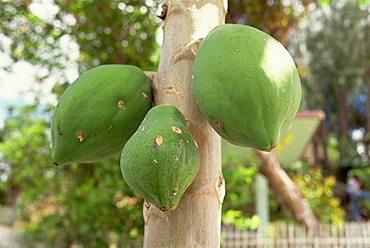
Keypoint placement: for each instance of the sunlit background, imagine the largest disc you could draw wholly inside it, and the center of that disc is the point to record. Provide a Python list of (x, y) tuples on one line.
[(46, 44)]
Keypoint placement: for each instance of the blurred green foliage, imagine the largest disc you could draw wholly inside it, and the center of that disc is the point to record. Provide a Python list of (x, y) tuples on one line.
[(318, 190), (238, 207), (105, 32), (239, 203), (277, 18), (24, 143), (90, 205), (364, 174), (239, 180), (235, 218), (334, 59)]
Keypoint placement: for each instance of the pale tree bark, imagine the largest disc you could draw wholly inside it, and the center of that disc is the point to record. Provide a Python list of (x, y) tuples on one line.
[(196, 222), (288, 193)]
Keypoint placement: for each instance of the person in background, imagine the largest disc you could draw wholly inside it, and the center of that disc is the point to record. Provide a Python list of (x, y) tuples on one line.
[(356, 193)]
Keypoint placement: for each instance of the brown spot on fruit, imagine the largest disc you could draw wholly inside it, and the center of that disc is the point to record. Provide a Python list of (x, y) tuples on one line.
[(270, 148), (81, 136), (176, 129), (158, 140), (174, 191), (110, 128), (145, 96), (218, 124), (56, 163), (59, 129), (121, 105)]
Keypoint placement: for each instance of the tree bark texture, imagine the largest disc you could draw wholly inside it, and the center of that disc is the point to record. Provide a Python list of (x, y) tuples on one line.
[(342, 95), (196, 222), (319, 148), (288, 193)]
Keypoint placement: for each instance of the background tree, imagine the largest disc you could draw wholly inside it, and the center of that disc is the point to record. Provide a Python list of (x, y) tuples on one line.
[(239, 204), (100, 33), (105, 32), (277, 18), (23, 142), (87, 205), (337, 52)]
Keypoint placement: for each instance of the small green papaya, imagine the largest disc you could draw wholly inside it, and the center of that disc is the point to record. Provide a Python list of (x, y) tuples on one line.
[(246, 85), (98, 113), (161, 159)]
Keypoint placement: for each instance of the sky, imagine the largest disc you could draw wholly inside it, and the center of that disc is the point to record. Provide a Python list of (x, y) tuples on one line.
[(12, 84), (16, 85)]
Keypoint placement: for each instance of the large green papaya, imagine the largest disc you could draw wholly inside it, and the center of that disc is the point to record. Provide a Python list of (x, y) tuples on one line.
[(161, 159), (246, 85), (98, 113)]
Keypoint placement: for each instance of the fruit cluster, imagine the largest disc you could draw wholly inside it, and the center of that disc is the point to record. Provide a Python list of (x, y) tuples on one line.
[(244, 81)]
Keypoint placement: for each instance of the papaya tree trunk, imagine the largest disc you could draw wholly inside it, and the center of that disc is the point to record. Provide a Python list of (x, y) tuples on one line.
[(196, 222), (288, 193)]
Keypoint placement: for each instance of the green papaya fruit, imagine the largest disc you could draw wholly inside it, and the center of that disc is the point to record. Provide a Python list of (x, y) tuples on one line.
[(98, 113), (161, 159), (246, 85)]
